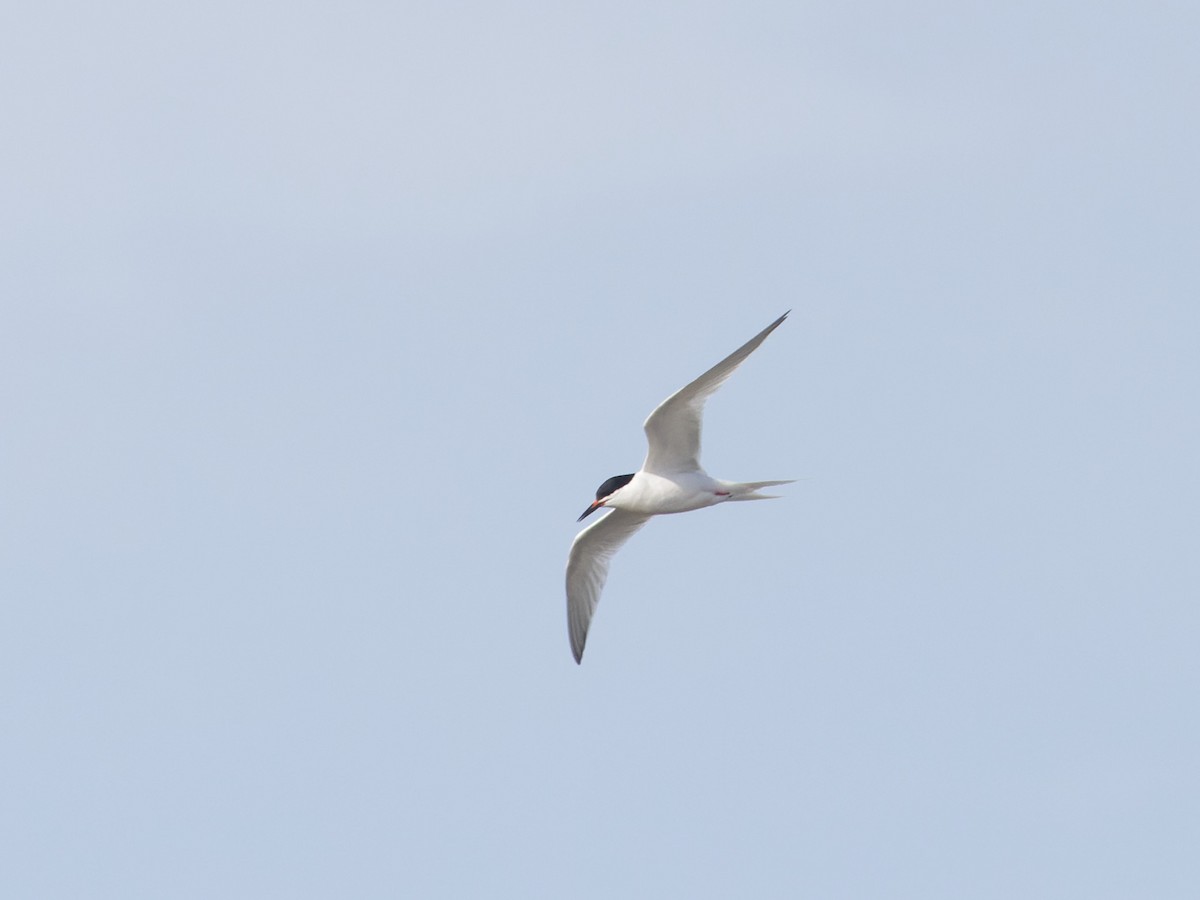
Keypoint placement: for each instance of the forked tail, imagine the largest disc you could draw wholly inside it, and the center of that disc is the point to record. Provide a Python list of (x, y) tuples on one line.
[(748, 490)]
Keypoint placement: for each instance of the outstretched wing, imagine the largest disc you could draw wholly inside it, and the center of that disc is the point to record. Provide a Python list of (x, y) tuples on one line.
[(587, 569), (673, 429)]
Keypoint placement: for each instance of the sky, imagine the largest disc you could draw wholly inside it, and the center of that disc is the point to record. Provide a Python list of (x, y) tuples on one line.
[(321, 323)]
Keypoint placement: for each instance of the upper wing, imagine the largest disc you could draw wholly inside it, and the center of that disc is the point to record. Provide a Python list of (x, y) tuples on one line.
[(587, 569), (673, 429)]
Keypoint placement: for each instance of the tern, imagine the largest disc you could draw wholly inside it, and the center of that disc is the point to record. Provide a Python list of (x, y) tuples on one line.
[(671, 481)]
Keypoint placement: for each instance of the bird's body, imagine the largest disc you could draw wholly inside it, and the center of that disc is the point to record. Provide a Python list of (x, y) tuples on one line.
[(671, 481), (651, 495)]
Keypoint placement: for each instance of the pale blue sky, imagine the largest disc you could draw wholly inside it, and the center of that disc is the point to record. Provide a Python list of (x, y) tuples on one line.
[(322, 323)]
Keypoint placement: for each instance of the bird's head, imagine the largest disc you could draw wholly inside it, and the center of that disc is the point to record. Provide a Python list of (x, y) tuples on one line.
[(605, 492)]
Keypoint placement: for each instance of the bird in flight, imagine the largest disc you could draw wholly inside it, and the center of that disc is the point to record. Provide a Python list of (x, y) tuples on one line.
[(671, 481)]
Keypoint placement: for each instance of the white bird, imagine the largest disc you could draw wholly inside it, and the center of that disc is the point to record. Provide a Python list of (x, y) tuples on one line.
[(671, 481)]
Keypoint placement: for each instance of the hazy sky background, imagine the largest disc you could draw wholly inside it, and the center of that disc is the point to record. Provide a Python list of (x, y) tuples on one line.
[(322, 322)]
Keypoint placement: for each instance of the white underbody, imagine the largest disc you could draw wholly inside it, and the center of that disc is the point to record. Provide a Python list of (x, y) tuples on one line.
[(652, 495)]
